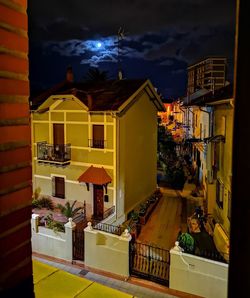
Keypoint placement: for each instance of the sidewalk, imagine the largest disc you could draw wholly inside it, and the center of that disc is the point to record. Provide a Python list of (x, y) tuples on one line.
[(133, 286)]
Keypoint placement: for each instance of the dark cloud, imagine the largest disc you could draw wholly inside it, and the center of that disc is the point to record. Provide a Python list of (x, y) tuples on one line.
[(162, 36), (139, 16)]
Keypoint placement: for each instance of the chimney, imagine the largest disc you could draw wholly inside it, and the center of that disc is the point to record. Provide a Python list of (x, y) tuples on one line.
[(69, 74), (90, 101)]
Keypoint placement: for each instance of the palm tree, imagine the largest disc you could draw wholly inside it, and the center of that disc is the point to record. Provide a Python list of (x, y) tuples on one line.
[(69, 210), (94, 74)]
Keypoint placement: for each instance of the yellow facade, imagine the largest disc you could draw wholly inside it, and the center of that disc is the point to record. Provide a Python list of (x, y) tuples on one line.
[(129, 155), (223, 124), (77, 132), (138, 145), (212, 126)]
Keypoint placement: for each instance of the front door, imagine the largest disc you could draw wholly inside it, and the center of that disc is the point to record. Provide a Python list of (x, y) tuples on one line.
[(59, 187), (98, 202)]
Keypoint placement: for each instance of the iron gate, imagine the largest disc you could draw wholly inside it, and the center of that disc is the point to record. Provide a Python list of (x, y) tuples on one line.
[(149, 262), (78, 245)]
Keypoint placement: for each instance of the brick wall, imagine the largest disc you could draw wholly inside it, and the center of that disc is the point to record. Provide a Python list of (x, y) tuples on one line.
[(15, 152)]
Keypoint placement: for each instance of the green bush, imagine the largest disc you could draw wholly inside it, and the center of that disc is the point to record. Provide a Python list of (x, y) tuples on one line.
[(35, 204), (135, 216), (54, 225), (186, 241), (43, 202), (175, 176), (69, 210)]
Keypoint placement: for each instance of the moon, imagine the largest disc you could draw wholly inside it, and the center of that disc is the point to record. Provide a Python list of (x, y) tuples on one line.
[(99, 44)]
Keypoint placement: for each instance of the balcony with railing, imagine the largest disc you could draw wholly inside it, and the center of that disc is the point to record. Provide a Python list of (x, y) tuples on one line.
[(96, 143), (59, 154)]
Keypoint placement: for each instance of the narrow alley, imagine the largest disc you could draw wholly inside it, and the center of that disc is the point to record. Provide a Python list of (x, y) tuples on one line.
[(169, 217), (164, 224)]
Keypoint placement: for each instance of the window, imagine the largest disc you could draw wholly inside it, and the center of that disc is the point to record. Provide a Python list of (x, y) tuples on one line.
[(219, 193), (219, 81), (218, 67), (221, 61), (218, 74), (58, 187), (98, 136)]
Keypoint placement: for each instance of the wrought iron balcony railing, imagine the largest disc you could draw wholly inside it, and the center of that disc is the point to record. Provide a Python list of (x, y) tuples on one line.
[(94, 143), (57, 154), (116, 230)]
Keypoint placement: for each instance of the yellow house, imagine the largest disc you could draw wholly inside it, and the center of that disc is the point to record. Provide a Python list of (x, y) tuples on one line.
[(212, 150), (198, 119), (219, 161), (97, 143)]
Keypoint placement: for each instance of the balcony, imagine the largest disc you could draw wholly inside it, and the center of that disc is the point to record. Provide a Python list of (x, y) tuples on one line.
[(59, 154), (95, 143)]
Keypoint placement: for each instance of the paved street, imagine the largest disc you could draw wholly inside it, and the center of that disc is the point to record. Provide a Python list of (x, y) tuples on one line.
[(170, 216), (164, 223)]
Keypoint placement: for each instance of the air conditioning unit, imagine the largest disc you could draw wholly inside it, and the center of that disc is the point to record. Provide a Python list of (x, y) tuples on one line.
[(210, 178)]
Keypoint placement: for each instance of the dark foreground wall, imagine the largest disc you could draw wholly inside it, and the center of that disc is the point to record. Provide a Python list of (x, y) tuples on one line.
[(15, 152)]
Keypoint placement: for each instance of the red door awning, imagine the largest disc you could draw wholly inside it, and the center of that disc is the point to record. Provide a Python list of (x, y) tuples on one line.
[(95, 175)]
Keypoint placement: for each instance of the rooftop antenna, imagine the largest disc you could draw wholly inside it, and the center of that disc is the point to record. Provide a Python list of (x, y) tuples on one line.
[(120, 37)]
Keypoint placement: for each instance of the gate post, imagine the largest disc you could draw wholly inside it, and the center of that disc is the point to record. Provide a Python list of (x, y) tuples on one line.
[(69, 228)]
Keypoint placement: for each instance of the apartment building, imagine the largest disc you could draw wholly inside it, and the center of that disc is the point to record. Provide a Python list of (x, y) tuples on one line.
[(209, 73)]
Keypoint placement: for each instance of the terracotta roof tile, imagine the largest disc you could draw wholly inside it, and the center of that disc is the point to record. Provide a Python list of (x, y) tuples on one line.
[(95, 175), (108, 95)]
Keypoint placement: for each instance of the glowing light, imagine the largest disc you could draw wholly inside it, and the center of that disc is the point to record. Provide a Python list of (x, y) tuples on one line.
[(99, 44)]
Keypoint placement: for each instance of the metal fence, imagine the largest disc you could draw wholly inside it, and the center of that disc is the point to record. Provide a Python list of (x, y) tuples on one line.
[(116, 230), (78, 245), (94, 143), (210, 254), (149, 262)]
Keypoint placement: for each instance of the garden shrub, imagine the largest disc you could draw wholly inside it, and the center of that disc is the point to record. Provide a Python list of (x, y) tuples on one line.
[(186, 241), (43, 202)]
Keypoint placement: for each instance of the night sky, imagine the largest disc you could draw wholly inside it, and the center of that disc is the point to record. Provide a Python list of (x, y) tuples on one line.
[(162, 37)]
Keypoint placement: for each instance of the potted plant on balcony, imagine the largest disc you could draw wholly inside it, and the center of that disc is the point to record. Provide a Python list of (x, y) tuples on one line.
[(152, 199), (135, 217), (143, 209)]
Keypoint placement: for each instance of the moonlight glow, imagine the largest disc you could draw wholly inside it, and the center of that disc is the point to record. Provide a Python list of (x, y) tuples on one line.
[(99, 44)]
